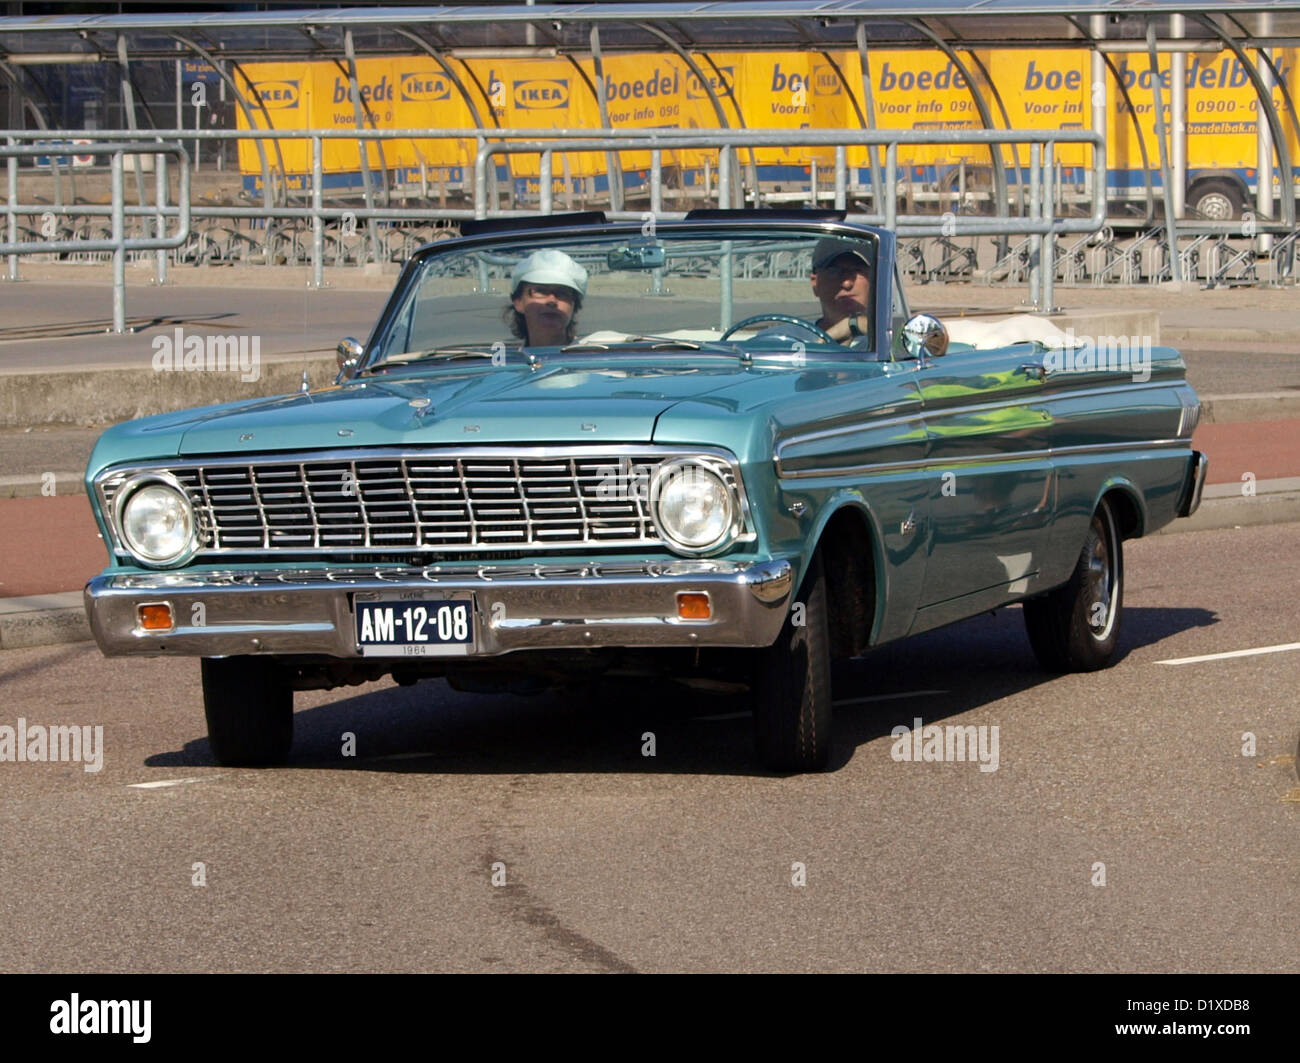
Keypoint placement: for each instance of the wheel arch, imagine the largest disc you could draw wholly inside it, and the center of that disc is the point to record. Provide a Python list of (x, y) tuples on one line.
[(848, 536), (1230, 177), (1126, 503)]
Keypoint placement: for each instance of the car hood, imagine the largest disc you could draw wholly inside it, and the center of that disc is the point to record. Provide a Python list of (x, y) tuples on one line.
[(483, 404)]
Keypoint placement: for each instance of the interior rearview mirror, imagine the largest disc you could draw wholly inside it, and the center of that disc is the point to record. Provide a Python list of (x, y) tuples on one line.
[(637, 256)]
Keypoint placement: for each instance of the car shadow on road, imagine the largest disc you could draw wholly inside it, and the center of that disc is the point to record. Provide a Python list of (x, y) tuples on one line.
[(646, 727)]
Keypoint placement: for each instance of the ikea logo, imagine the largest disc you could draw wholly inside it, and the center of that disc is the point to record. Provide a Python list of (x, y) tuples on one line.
[(277, 94), (416, 88), (540, 94), (825, 82), (720, 81)]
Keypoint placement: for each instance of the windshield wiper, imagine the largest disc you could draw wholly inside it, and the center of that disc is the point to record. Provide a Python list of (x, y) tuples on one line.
[(438, 353), (673, 343)]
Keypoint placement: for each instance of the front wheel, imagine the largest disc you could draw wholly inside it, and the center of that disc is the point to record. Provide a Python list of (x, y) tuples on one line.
[(792, 685), (1076, 627), (249, 706)]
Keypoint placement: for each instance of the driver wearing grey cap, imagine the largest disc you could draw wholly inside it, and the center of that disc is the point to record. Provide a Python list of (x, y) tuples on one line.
[(842, 275)]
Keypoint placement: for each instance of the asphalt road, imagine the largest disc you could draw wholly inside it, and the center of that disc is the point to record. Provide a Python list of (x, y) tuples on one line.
[(614, 861)]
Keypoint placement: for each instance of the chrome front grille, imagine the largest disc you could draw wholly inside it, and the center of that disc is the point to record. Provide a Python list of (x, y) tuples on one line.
[(438, 503)]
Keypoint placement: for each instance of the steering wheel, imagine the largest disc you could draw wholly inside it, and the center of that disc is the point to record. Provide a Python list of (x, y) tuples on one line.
[(788, 319)]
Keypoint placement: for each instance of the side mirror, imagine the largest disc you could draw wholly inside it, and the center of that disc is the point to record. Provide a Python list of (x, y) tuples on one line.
[(349, 357), (922, 335)]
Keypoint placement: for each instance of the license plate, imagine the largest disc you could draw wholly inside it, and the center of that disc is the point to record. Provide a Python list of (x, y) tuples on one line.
[(394, 625)]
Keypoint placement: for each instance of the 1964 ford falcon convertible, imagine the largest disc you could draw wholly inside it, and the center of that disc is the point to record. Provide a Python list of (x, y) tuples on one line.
[(699, 448)]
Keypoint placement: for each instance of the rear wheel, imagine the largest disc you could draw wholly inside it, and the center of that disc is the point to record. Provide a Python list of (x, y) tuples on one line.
[(249, 706), (1076, 627), (792, 684)]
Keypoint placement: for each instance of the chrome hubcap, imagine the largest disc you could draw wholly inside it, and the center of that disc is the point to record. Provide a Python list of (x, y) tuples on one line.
[(1101, 587)]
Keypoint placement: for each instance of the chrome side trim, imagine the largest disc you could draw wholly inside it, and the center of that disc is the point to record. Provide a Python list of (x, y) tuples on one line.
[(1000, 458), (922, 412)]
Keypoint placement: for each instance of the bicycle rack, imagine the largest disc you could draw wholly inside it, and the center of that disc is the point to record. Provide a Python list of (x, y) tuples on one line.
[(1229, 267), (911, 257), (1013, 267), (957, 263), (1072, 262), (1281, 260), (1190, 256)]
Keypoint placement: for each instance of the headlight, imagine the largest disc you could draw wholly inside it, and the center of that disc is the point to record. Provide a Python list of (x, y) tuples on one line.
[(693, 506), (156, 521)]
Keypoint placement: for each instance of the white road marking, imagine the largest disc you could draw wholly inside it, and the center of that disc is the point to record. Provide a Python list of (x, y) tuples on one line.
[(1235, 653), (889, 697), (160, 783)]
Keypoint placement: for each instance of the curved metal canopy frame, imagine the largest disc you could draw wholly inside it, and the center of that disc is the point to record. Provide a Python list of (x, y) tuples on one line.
[(1280, 149), (242, 102), (1150, 216), (981, 105)]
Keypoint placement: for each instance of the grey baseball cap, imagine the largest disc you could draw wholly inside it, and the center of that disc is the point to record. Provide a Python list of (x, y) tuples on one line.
[(829, 248)]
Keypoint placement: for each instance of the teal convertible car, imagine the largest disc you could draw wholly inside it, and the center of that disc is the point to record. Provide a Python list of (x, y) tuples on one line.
[(711, 448)]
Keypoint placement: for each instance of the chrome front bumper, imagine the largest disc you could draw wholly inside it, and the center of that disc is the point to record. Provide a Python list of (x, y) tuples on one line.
[(526, 607)]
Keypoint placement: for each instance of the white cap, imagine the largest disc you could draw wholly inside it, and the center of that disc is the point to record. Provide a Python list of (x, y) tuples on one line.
[(549, 267)]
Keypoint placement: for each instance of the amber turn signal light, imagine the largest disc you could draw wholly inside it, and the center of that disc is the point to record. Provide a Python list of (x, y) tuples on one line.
[(693, 606), (156, 617)]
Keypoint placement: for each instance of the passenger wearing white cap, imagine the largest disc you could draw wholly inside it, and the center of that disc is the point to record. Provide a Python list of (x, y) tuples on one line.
[(841, 279), (546, 291)]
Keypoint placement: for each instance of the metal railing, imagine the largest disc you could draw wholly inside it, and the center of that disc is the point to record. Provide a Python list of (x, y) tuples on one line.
[(118, 243), (301, 219)]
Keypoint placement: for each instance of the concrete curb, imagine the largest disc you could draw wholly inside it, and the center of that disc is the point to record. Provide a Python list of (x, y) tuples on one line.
[(43, 620), (1196, 335), (1224, 506), (107, 395), (1111, 323), (1264, 406), (65, 483)]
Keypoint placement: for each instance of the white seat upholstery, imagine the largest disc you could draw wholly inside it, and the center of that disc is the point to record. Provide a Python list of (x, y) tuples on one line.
[(984, 335)]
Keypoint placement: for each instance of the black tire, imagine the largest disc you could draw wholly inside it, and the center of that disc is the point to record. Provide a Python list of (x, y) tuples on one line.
[(1216, 201), (249, 706), (792, 685), (1076, 627)]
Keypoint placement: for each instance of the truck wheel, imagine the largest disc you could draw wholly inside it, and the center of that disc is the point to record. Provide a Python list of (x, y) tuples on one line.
[(1217, 201), (792, 685), (1076, 627), (249, 707)]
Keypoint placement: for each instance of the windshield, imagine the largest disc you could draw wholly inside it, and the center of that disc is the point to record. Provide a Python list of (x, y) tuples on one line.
[(690, 290)]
